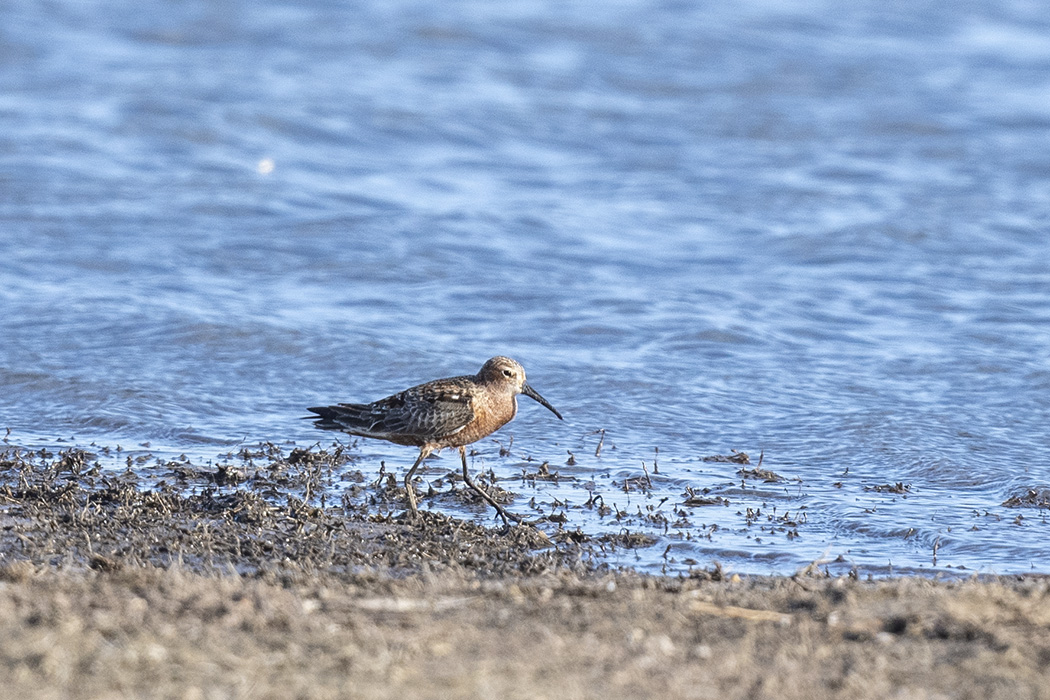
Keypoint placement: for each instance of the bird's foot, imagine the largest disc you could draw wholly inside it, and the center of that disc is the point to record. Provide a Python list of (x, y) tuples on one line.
[(507, 516)]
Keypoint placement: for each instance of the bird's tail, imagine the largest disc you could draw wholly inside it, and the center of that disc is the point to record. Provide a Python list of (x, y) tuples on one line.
[(340, 417)]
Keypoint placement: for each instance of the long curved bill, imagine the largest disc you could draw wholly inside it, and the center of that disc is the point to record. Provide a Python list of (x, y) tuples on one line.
[(532, 394)]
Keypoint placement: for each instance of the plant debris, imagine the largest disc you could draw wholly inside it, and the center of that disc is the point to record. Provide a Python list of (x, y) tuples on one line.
[(1032, 498), (734, 458), (761, 475), (899, 488)]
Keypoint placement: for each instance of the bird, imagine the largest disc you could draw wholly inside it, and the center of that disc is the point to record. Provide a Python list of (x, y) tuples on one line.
[(451, 412)]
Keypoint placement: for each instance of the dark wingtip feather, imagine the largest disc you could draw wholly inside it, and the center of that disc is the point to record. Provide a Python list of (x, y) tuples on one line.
[(323, 415)]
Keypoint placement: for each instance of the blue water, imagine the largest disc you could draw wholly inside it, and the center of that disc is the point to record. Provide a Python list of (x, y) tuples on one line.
[(817, 231)]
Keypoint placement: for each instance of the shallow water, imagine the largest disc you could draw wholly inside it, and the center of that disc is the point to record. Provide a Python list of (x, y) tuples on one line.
[(816, 235)]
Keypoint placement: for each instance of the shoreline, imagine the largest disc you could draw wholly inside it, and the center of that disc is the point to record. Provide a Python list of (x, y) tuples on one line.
[(109, 589)]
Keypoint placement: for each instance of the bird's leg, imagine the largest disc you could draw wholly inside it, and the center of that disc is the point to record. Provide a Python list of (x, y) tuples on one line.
[(503, 512), (423, 452)]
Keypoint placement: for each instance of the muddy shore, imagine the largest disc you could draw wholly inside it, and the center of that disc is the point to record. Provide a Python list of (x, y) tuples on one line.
[(235, 581)]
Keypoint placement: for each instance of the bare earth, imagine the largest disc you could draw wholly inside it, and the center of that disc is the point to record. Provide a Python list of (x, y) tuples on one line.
[(112, 589)]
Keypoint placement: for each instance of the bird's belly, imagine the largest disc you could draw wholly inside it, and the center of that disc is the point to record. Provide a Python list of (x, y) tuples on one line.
[(485, 423)]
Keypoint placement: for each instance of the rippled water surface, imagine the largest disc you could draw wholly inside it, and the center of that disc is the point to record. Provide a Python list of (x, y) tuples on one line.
[(812, 231)]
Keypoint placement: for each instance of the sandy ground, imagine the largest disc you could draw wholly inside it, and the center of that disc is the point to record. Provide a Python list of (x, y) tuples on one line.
[(108, 589)]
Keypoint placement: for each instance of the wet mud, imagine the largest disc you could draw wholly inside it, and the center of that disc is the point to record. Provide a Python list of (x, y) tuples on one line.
[(243, 579)]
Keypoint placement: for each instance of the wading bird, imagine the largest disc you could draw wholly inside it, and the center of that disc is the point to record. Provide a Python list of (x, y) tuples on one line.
[(451, 412)]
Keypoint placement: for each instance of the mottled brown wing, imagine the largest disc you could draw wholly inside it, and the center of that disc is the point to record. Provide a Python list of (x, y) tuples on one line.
[(421, 414), (426, 412)]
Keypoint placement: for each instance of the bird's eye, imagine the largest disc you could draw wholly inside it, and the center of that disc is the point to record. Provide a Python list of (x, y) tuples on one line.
[(508, 373)]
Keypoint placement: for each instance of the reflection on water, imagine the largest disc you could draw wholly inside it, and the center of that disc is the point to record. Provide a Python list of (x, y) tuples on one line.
[(810, 236)]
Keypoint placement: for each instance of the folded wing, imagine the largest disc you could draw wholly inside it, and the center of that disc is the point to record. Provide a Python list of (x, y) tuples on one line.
[(412, 417)]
